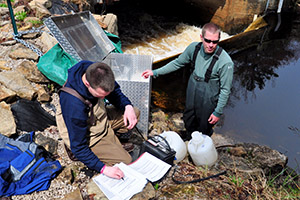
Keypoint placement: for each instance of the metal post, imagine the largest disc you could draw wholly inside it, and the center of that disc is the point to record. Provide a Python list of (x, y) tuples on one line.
[(12, 17)]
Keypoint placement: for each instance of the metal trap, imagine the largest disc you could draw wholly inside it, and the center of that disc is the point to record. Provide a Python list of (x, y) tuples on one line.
[(81, 36)]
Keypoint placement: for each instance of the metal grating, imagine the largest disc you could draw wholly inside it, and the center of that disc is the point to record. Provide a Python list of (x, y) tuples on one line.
[(128, 69), (81, 36)]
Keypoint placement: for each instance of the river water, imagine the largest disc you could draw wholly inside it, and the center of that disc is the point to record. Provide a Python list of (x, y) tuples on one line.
[(264, 105)]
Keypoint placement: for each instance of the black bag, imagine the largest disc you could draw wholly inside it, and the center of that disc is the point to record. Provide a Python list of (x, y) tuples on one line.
[(160, 148)]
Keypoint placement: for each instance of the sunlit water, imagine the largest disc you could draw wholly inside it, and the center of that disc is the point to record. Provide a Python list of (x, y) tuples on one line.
[(167, 44)]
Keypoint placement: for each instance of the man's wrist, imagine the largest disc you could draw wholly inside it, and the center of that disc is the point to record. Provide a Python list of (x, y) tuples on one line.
[(101, 171)]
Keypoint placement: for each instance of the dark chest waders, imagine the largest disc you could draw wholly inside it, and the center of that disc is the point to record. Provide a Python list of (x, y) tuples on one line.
[(201, 97)]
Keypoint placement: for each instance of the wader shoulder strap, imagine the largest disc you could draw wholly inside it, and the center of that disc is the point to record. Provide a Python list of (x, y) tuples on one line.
[(85, 101), (212, 63), (197, 49)]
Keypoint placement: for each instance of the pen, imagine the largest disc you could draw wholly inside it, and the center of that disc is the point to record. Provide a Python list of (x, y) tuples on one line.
[(122, 178)]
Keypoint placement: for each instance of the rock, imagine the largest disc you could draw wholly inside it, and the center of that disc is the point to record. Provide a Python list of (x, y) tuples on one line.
[(67, 175), (23, 53), (2, 65), (49, 144), (147, 193), (99, 19), (4, 11), (8, 126), (19, 9), (176, 122), (6, 94), (112, 23), (16, 82), (266, 157), (40, 10), (158, 116), (28, 19), (48, 41), (43, 95), (95, 192), (75, 195), (9, 42), (29, 35), (31, 72), (237, 151)]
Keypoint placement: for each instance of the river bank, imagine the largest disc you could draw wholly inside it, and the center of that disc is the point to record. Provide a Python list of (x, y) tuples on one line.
[(252, 171)]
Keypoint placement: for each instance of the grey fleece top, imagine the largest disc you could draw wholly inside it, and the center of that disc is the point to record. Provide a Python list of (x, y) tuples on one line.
[(222, 71)]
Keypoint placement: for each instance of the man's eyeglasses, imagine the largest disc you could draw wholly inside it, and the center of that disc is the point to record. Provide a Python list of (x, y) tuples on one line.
[(209, 41)]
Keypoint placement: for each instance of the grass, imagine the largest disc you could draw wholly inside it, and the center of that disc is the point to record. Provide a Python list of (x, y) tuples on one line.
[(36, 22), (20, 16), (235, 185)]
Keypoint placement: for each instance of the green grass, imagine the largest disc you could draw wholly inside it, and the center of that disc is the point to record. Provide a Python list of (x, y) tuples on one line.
[(36, 22), (21, 15)]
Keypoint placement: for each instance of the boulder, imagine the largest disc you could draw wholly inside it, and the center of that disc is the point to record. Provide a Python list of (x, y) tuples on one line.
[(23, 53), (31, 72), (16, 82), (8, 126)]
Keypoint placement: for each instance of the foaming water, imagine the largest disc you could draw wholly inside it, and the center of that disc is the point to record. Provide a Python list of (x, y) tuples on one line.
[(166, 44)]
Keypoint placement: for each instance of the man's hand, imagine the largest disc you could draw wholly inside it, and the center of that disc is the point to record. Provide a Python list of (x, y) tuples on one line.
[(147, 73), (113, 172), (213, 119), (130, 119)]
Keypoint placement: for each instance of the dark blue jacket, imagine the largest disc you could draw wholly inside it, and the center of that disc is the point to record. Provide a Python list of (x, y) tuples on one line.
[(75, 113)]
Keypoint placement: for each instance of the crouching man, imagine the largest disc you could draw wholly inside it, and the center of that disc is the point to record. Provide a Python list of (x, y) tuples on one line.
[(87, 126)]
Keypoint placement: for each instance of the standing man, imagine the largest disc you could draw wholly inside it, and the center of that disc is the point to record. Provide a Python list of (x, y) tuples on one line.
[(87, 126), (209, 84)]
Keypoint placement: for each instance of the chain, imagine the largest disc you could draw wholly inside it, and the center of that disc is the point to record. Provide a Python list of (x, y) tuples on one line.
[(28, 45)]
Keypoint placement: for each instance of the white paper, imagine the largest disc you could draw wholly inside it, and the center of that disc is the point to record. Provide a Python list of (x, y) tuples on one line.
[(135, 178), (150, 166)]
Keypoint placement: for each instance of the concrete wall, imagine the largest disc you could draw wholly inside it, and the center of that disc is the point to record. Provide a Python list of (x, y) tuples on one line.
[(233, 16)]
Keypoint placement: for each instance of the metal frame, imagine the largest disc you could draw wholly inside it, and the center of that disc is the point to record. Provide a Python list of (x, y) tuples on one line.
[(81, 36)]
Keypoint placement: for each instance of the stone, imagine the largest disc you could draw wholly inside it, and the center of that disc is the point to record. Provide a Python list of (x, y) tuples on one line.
[(30, 35), (23, 53), (2, 65), (99, 19), (49, 144), (147, 193), (75, 195), (48, 41), (43, 95), (67, 175), (40, 10), (8, 126), (28, 19), (267, 157), (95, 192), (237, 151), (9, 42), (16, 82), (6, 94), (4, 11), (31, 72), (19, 9), (112, 23)]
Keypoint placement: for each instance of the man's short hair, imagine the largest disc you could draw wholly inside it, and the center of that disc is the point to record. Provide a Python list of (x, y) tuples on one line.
[(212, 28), (100, 75)]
